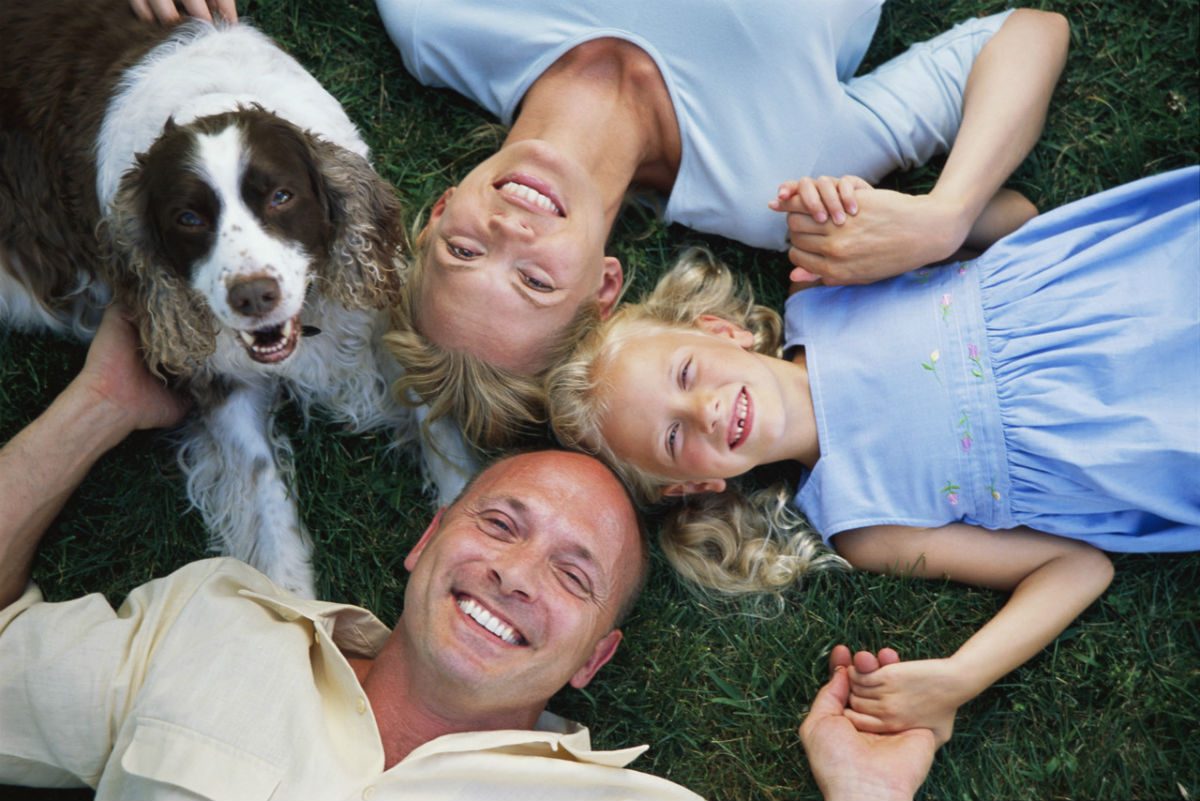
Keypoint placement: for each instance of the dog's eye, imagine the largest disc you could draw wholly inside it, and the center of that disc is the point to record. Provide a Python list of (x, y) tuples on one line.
[(190, 219), (281, 198)]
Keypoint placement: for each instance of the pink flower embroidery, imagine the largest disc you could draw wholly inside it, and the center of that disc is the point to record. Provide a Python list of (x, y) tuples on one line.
[(966, 443), (976, 364)]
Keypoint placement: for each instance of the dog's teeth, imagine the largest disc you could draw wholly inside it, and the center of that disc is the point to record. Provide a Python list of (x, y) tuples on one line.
[(247, 337)]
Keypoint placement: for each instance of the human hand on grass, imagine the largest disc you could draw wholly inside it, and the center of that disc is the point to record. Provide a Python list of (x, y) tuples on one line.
[(891, 233), (852, 764), (905, 695)]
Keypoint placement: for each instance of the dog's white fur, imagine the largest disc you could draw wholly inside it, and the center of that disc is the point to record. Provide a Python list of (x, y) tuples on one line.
[(237, 467)]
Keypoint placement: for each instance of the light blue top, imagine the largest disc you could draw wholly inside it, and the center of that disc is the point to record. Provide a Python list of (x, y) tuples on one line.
[(762, 90), (1054, 382)]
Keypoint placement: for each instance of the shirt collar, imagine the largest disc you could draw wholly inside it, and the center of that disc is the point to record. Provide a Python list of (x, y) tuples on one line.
[(356, 631)]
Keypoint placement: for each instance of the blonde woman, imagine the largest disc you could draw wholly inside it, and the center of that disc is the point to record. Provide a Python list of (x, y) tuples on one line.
[(707, 105), (996, 421)]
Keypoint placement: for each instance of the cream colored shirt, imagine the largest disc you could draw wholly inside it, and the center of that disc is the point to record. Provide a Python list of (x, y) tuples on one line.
[(213, 684)]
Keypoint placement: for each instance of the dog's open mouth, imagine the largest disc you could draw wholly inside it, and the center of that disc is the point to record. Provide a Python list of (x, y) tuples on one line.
[(272, 345)]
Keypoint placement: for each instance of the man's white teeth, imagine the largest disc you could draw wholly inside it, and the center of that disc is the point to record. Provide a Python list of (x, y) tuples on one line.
[(532, 195), (489, 621)]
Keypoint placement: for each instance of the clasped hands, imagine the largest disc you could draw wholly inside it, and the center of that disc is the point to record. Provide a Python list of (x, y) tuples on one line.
[(873, 728), (844, 231)]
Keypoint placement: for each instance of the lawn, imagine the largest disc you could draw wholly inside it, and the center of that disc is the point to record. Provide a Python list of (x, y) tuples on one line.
[(1108, 711)]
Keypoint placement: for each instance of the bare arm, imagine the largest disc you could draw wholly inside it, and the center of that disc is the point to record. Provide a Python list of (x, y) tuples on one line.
[(1052, 581), (41, 466), (1004, 109)]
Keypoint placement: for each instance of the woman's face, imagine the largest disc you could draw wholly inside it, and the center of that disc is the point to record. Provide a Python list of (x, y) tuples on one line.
[(696, 405), (511, 253)]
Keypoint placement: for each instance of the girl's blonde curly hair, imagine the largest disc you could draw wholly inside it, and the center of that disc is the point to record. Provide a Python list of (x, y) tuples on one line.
[(727, 542)]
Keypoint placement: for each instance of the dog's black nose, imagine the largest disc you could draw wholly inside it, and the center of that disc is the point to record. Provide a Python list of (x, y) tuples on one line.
[(254, 297)]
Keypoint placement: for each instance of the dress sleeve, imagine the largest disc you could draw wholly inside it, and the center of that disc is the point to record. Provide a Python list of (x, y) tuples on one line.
[(908, 109)]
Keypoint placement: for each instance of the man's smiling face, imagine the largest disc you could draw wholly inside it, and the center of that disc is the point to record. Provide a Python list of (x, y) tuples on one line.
[(515, 589)]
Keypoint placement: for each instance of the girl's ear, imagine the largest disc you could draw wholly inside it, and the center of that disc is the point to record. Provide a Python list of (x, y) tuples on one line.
[(694, 487), (720, 327)]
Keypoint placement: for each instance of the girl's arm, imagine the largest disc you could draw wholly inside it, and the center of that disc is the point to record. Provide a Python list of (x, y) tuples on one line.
[(1052, 580), (1004, 108)]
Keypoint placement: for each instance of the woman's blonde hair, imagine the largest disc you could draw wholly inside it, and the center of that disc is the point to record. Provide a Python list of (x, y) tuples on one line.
[(728, 542)]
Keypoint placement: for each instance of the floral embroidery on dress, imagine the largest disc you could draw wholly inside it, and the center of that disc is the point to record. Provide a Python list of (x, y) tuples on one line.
[(944, 305), (976, 364), (964, 428), (951, 492), (995, 492), (931, 365), (922, 275)]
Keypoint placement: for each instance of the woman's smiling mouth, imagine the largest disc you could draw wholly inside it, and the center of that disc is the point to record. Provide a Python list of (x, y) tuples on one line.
[(530, 193)]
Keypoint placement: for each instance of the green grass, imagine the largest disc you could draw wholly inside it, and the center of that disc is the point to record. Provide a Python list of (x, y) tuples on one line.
[(1108, 711)]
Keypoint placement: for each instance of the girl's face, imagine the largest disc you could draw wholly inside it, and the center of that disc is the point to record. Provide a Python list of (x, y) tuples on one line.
[(696, 405)]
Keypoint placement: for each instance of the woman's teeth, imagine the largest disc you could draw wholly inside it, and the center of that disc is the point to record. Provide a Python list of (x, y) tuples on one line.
[(514, 189)]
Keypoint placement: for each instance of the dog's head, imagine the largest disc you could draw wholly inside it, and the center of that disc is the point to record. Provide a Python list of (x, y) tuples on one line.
[(227, 225)]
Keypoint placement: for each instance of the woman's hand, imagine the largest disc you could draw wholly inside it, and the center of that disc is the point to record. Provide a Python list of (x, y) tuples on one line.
[(166, 12), (890, 233)]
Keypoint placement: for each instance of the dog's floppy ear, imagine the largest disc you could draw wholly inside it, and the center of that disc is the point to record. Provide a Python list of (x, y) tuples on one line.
[(177, 330), (367, 256)]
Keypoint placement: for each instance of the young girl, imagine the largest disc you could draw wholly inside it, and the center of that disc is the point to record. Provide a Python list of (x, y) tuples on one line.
[(947, 423)]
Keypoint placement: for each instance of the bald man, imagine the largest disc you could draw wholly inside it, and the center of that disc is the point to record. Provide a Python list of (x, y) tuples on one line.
[(213, 682)]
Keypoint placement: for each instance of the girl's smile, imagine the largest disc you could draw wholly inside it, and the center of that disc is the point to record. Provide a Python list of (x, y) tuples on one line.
[(696, 406)]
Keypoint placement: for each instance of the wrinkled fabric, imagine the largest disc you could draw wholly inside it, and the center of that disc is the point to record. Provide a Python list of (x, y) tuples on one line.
[(1054, 382)]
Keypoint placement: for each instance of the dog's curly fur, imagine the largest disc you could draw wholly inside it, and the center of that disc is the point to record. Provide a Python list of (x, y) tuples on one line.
[(82, 154)]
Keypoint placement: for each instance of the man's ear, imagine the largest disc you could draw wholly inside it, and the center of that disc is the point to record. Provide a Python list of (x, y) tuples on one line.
[(611, 281), (604, 650), (435, 214), (694, 487), (719, 326), (410, 561)]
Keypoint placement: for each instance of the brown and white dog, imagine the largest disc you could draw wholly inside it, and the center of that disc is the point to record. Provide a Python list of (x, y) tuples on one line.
[(204, 179)]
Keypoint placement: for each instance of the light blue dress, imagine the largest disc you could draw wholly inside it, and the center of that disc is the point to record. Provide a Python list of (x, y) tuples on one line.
[(763, 90), (1053, 383)]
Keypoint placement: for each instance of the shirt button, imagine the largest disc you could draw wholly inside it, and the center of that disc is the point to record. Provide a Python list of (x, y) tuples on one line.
[(368, 793), (360, 705)]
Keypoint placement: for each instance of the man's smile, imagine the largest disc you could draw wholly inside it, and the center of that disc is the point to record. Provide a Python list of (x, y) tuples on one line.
[(491, 622)]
